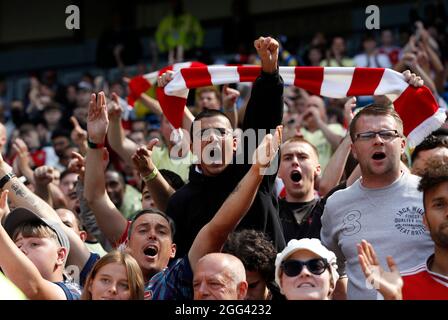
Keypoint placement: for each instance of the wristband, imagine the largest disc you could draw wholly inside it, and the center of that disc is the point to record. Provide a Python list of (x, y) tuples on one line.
[(6, 178), (151, 176), (92, 145)]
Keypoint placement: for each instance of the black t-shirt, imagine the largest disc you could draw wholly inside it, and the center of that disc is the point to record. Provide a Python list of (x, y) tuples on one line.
[(301, 219)]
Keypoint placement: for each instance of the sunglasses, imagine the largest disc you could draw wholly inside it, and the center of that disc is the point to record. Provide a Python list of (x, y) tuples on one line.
[(293, 268)]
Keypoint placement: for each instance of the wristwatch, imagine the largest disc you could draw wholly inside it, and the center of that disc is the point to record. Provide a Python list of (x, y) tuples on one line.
[(6, 178)]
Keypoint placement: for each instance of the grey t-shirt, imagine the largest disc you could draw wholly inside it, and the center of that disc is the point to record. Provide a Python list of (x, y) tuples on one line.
[(390, 218)]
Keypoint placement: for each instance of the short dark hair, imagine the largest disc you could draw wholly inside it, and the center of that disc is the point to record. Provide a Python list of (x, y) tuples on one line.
[(119, 173), (153, 211), (65, 173), (375, 109), (430, 142), (59, 132), (255, 250), (207, 113), (173, 179), (435, 173)]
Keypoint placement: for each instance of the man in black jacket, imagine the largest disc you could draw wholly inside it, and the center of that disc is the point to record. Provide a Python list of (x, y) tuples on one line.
[(212, 180)]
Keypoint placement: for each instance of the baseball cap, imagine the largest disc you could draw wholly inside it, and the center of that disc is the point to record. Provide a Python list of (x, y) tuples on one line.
[(21, 215), (313, 245)]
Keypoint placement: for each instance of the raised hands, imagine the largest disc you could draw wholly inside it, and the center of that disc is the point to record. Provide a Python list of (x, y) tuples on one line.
[(267, 49), (21, 150), (348, 109), (413, 79), (43, 175), (267, 149), (165, 78), (97, 119), (142, 158), (314, 114), (78, 134), (229, 97), (77, 165), (114, 108), (388, 283)]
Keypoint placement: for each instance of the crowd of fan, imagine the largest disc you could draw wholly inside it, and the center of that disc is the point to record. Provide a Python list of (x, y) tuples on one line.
[(96, 205)]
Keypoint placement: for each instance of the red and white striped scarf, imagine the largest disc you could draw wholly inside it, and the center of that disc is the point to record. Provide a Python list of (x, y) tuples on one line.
[(417, 107)]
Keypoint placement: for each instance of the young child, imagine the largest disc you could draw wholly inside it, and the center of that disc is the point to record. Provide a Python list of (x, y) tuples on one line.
[(116, 276), (34, 252)]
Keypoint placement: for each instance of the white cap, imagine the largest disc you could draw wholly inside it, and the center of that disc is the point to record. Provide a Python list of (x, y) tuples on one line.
[(313, 245)]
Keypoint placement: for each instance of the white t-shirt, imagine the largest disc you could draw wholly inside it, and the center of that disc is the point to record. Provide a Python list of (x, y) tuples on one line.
[(375, 61)]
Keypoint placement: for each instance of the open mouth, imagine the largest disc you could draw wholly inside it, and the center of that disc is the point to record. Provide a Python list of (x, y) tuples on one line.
[(296, 176), (151, 251), (306, 285), (379, 156), (72, 195), (215, 153)]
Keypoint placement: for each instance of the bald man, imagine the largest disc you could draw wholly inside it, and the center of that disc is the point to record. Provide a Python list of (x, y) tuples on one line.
[(219, 276)]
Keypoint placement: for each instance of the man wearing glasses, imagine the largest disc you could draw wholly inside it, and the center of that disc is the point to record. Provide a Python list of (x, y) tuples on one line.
[(383, 207), (219, 168)]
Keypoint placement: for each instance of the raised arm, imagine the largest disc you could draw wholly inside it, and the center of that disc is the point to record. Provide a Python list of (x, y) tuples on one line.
[(21, 196), (333, 139), (124, 147), (86, 215), (265, 107), (79, 136), (109, 219), (23, 159), (335, 167), (158, 187), (388, 283), (212, 236), (229, 98), (24, 274)]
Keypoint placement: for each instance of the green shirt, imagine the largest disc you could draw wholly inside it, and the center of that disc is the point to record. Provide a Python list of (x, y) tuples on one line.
[(161, 159), (132, 202), (8, 291), (323, 147)]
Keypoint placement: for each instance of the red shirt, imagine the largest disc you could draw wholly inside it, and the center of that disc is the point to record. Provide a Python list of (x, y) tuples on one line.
[(420, 283)]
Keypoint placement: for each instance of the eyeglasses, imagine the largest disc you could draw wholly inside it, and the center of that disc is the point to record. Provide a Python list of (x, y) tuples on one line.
[(293, 268), (205, 134), (384, 134)]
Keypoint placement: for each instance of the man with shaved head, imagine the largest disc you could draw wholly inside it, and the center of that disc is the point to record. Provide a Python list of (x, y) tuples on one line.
[(219, 276), (301, 210)]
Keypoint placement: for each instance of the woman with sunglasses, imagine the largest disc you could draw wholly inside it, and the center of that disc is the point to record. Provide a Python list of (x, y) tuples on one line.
[(306, 270)]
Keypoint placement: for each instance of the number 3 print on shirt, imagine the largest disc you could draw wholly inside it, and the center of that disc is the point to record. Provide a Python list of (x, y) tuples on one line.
[(351, 224)]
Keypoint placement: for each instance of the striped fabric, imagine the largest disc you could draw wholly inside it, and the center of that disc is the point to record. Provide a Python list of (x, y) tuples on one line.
[(416, 106), (146, 82)]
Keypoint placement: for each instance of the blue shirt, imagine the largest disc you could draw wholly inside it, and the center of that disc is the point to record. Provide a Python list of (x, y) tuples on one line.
[(72, 290), (173, 283)]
